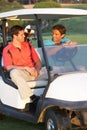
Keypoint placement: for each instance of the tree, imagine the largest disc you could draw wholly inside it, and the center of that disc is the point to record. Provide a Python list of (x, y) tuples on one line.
[(47, 5), (5, 5)]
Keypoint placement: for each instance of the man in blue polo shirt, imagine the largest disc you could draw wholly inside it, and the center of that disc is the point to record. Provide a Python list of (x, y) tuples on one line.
[(58, 37)]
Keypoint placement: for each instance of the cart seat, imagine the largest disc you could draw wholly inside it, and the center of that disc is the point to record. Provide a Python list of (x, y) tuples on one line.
[(9, 94)]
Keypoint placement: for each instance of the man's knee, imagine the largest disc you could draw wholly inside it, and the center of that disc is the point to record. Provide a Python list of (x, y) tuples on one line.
[(14, 72)]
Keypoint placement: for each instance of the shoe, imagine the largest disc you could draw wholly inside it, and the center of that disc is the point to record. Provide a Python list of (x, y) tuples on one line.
[(26, 108), (34, 98)]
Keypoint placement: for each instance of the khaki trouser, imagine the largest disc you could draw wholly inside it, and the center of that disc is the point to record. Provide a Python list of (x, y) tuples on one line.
[(20, 78)]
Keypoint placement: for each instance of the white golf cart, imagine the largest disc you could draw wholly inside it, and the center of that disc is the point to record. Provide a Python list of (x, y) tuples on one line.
[(63, 88)]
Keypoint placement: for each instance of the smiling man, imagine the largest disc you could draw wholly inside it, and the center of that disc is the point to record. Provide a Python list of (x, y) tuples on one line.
[(21, 59), (58, 37)]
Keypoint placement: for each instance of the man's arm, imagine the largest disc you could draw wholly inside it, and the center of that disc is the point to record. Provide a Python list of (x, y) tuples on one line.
[(38, 64), (33, 71)]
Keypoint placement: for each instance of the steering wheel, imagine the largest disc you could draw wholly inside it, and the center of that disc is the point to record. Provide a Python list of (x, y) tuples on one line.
[(66, 54)]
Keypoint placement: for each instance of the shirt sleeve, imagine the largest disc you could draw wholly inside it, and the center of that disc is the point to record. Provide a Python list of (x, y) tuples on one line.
[(49, 42), (64, 40), (7, 60)]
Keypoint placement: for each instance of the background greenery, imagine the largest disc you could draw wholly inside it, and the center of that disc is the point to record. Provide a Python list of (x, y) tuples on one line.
[(47, 4), (9, 123), (76, 29), (7, 6)]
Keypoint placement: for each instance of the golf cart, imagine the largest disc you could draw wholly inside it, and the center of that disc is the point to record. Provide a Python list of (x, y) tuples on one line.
[(63, 88)]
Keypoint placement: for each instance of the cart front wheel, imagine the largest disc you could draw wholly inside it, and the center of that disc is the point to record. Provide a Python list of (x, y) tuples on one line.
[(54, 121)]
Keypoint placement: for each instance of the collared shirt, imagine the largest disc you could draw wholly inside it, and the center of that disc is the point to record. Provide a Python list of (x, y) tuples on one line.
[(50, 42), (26, 56)]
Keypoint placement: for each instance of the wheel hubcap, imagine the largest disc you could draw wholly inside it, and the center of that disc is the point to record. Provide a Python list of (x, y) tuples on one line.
[(50, 125)]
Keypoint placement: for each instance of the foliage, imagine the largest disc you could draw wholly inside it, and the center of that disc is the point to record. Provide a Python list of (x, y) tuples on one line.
[(46, 0), (7, 6), (47, 4), (78, 6), (74, 25), (14, 124)]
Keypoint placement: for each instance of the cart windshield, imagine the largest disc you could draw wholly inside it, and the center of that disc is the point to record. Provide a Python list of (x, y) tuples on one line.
[(67, 58)]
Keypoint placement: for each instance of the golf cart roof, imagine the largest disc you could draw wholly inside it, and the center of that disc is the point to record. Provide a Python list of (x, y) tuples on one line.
[(43, 13)]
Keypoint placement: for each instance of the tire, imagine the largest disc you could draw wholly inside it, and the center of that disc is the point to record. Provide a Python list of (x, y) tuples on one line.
[(55, 121)]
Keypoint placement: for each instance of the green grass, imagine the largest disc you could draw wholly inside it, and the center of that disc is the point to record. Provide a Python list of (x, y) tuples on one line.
[(79, 38), (76, 29), (79, 6), (9, 123)]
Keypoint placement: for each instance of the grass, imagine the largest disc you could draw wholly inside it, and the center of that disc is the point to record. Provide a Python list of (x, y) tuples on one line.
[(76, 29), (9, 123), (80, 38), (79, 6)]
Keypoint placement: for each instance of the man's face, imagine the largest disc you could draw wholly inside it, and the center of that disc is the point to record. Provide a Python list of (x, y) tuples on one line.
[(57, 37), (20, 36)]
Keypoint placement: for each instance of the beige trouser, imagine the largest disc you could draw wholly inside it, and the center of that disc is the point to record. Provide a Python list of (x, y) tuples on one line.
[(20, 78)]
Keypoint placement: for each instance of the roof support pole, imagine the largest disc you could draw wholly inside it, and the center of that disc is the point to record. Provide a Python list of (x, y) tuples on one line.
[(4, 32)]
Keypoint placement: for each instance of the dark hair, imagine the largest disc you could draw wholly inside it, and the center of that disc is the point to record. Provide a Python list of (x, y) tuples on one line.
[(60, 28), (15, 30)]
